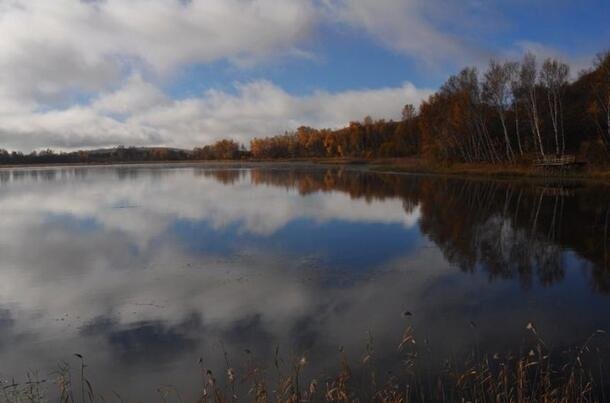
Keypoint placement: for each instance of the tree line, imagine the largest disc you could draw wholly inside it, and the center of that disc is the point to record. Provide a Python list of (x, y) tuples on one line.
[(512, 112), (221, 150)]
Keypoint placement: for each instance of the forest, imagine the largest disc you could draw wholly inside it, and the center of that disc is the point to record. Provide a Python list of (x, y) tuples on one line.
[(514, 112)]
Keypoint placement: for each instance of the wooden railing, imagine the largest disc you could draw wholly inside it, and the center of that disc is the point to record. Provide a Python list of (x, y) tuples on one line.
[(556, 160)]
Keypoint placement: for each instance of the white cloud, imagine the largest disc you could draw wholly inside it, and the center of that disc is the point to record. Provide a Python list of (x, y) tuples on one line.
[(135, 96), (413, 27), (49, 48), (148, 117)]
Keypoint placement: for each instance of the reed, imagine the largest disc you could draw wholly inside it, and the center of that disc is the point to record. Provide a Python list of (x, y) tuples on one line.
[(535, 374)]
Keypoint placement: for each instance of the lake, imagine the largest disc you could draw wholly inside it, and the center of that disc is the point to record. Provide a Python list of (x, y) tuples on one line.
[(145, 270)]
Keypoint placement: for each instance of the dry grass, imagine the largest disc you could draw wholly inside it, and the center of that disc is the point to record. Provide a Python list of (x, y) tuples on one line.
[(537, 374), (507, 171)]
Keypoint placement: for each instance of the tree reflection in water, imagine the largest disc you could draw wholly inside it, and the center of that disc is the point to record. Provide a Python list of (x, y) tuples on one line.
[(507, 229)]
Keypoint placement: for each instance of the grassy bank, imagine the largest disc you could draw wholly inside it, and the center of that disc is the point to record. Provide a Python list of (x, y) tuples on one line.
[(507, 171)]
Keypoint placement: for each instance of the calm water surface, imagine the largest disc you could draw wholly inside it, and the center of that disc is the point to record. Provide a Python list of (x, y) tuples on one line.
[(145, 269)]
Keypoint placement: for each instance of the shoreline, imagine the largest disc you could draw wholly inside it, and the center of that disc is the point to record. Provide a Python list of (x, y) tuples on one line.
[(596, 174), (414, 166)]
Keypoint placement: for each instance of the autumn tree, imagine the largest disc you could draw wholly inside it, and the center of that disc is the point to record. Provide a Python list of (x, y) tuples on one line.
[(408, 112), (599, 107)]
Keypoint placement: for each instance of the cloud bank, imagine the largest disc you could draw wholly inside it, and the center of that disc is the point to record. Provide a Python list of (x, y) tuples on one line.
[(72, 73), (91, 73), (139, 113)]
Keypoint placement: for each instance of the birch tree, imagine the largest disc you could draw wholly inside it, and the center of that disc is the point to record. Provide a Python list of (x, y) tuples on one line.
[(465, 91), (527, 84), (517, 102), (497, 91), (554, 77)]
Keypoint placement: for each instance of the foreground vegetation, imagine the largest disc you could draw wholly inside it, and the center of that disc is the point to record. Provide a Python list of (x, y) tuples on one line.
[(535, 374)]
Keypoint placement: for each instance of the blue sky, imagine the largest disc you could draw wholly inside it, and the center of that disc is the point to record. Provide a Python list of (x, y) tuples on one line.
[(78, 74), (346, 58)]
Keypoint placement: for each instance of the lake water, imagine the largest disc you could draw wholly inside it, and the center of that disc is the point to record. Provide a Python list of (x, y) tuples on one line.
[(146, 269)]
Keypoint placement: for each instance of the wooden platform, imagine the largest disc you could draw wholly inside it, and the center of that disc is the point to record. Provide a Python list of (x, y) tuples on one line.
[(560, 161)]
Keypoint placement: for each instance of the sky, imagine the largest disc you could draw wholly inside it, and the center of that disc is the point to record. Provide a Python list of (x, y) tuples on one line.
[(183, 73)]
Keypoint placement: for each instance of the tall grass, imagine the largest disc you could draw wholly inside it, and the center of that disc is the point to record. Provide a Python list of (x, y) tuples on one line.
[(535, 374)]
